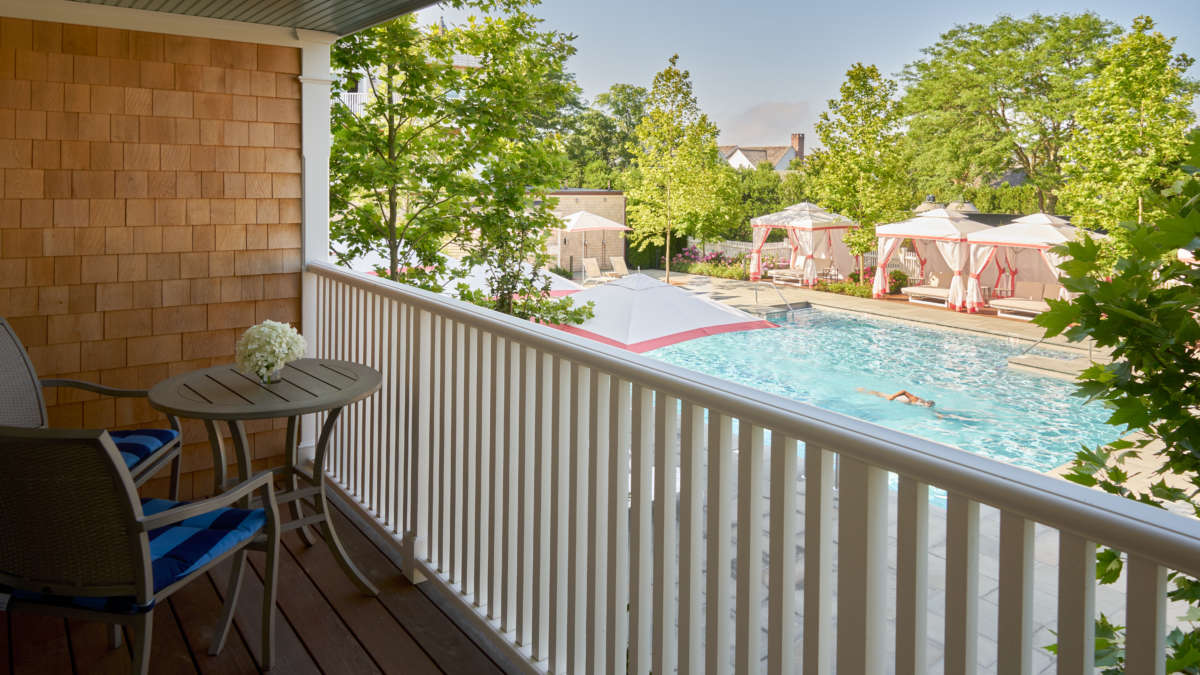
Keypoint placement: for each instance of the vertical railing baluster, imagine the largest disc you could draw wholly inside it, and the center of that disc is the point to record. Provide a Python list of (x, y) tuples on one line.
[(962, 585), (818, 560), (558, 448), (578, 545), (620, 422), (666, 431), (749, 642), (782, 548), (1145, 616), (598, 497), (1076, 604), (526, 524), (468, 468), (641, 540), (542, 448), (862, 567), (691, 537), (482, 472), (912, 576), (718, 583), (1014, 635)]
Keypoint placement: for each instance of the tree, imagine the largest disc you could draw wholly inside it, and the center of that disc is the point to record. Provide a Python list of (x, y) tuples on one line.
[(398, 167), (446, 153), (600, 138), (861, 172), (989, 98), (1132, 132), (1146, 313), (678, 181)]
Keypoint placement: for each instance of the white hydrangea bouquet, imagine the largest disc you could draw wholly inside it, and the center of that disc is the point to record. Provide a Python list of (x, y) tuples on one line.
[(263, 350)]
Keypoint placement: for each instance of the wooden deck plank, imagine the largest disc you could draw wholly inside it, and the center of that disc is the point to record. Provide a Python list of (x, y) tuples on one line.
[(290, 654), (4, 653), (330, 642), (90, 650), (169, 653), (444, 641), (198, 606), (39, 644), (391, 647)]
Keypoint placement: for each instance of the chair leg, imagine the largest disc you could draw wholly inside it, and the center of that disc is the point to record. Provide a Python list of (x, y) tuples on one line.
[(114, 636), (143, 628), (231, 597), (175, 477), (270, 591)]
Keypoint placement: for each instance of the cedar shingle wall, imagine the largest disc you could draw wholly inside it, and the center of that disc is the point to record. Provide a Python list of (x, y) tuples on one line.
[(149, 211)]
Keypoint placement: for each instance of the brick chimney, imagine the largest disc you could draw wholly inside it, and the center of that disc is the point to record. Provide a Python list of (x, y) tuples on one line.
[(798, 145)]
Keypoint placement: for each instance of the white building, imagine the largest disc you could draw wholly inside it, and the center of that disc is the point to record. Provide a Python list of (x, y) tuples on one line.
[(750, 156)]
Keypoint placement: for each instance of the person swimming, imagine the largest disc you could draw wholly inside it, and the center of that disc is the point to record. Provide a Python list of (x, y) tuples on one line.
[(907, 396)]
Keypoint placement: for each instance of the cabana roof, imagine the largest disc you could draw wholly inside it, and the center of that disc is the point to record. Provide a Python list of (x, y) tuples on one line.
[(804, 216), (935, 224)]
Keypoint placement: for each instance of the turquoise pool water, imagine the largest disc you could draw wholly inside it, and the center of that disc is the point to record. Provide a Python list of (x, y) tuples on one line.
[(824, 357)]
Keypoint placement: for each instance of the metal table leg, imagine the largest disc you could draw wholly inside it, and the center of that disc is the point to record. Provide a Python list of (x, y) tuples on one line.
[(218, 449), (321, 503), (291, 449)]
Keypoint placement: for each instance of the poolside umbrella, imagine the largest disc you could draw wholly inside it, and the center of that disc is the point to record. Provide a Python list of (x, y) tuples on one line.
[(584, 222), (1038, 231), (812, 232), (948, 231), (639, 313)]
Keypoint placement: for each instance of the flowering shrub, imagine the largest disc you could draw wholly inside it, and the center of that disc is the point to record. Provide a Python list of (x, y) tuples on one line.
[(896, 281), (691, 254), (267, 347), (845, 288)]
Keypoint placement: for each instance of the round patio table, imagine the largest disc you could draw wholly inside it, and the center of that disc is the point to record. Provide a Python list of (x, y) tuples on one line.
[(225, 394)]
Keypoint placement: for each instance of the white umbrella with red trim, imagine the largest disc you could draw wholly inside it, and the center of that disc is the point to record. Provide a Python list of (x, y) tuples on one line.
[(639, 313), (584, 222)]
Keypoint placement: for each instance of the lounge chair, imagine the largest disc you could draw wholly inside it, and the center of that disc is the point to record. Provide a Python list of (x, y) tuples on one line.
[(79, 543), (620, 269), (936, 292), (1027, 301), (786, 275), (591, 272), (145, 451)]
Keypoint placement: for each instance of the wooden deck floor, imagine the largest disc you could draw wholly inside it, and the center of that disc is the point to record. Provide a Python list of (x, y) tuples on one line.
[(325, 625)]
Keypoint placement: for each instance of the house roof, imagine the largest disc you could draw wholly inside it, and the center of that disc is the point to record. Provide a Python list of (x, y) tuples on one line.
[(340, 17), (757, 154), (726, 150)]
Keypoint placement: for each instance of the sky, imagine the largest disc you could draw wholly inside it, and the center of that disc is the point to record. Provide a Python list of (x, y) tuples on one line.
[(764, 69)]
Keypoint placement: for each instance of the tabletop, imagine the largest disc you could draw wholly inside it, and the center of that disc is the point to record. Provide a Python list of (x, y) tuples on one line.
[(226, 393)]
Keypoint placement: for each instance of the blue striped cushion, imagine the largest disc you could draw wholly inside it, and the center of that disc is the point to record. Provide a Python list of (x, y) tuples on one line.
[(138, 444), (175, 552), (178, 550)]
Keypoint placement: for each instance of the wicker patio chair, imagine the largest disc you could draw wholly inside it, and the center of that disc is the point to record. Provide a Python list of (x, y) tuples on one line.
[(78, 542), (145, 451)]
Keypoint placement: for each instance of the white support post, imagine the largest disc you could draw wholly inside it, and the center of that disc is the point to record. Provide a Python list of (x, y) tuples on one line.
[(314, 151)]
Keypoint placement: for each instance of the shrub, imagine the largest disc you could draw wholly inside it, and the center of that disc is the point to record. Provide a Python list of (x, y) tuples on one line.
[(561, 271), (845, 288), (897, 280)]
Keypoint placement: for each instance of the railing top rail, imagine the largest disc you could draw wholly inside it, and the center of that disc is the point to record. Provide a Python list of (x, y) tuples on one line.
[(1170, 539)]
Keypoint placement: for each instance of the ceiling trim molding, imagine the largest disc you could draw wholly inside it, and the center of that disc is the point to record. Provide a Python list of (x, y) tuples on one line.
[(88, 14)]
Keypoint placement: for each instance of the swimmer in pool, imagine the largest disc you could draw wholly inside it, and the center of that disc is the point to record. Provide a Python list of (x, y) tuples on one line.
[(907, 396)]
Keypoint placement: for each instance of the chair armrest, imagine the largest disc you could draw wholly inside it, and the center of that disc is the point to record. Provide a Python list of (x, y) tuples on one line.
[(259, 481), (96, 388)]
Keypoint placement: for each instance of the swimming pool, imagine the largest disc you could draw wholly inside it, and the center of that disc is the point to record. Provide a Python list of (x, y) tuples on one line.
[(823, 357)]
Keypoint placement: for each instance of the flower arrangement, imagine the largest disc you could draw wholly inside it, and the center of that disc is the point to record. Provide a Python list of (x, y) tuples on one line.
[(266, 348)]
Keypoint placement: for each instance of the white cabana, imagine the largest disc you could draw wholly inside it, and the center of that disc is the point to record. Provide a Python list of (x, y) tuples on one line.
[(947, 232), (813, 233), (639, 313), (1038, 233)]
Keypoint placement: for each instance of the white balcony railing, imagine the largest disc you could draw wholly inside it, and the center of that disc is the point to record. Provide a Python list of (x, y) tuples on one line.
[(595, 511)]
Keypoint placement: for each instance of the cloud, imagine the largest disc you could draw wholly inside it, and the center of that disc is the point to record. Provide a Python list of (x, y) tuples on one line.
[(768, 124)]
